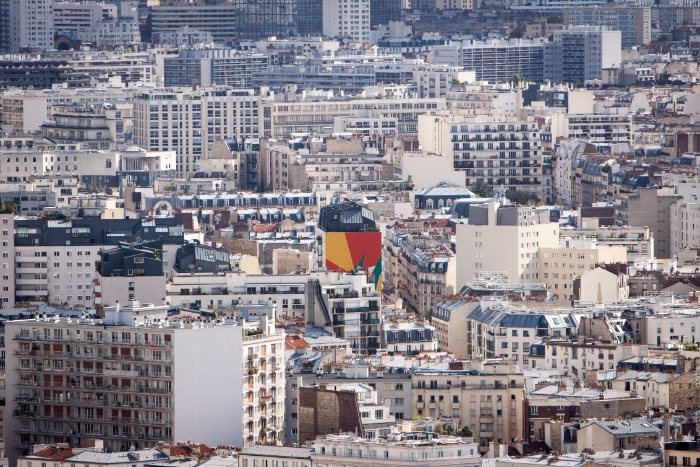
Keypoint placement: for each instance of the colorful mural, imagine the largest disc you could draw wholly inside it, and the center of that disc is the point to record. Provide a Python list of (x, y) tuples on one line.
[(354, 251)]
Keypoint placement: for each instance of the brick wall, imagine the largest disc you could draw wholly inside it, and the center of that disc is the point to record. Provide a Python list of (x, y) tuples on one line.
[(322, 412)]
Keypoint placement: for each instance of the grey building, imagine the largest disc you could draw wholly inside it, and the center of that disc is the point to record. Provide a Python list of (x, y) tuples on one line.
[(634, 23), (219, 20), (206, 67), (143, 259), (651, 207), (337, 78), (496, 60), (29, 202), (5, 46), (39, 74), (194, 257)]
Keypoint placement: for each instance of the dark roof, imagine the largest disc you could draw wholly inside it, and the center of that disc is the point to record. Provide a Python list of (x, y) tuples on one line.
[(96, 231)]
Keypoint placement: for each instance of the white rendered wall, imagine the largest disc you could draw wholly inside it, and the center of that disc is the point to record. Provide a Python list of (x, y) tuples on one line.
[(207, 394)]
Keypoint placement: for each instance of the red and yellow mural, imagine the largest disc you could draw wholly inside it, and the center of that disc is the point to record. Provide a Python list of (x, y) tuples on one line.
[(352, 251)]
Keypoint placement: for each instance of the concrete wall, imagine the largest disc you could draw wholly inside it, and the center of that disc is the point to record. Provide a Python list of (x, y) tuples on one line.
[(207, 396)]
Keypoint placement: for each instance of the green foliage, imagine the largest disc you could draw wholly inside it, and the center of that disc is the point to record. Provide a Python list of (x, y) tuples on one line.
[(605, 169), (517, 79), (691, 347), (555, 20), (522, 197), (663, 38), (466, 431), (9, 208), (482, 189), (517, 33), (55, 216)]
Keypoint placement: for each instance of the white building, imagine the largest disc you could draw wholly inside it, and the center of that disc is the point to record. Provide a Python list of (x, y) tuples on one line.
[(70, 16), (31, 24), (495, 150), (190, 122), (347, 20), (581, 53), (111, 32), (504, 238), (109, 396)]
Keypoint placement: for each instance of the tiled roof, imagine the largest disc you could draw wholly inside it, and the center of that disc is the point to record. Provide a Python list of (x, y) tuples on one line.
[(294, 342), (54, 453)]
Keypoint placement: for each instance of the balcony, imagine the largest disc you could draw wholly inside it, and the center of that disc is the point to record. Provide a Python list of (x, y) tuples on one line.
[(486, 419), (31, 292), (486, 434)]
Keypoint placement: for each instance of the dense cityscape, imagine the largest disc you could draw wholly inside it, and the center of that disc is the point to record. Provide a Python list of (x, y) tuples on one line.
[(349, 233)]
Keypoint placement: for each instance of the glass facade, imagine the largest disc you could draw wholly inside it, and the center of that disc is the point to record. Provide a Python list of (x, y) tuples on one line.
[(257, 19), (310, 17), (383, 11)]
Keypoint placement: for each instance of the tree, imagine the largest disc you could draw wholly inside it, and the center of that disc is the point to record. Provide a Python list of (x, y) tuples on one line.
[(606, 168), (466, 431), (555, 20), (9, 207), (517, 33), (522, 197), (517, 79), (663, 38), (482, 189)]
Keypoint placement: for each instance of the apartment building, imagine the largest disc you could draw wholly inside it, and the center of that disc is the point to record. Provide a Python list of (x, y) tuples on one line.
[(314, 114), (578, 356), (31, 24), (347, 20), (393, 390), (600, 128), (495, 150), (7, 294), (436, 81), (504, 238), (419, 270), (69, 17), (190, 122), (405, 449), (219, 20), (449, 320), (565, 61), (653, 208), (27, 110), (634, 23), (500, 331), (205, 67), (126, 65), (112, 32), (495, 60), (489, 403), (98, 168), (571, 259), (684, 225), (55, 260), (666, 329), (89, 127), (408, 337), (130, 379)]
